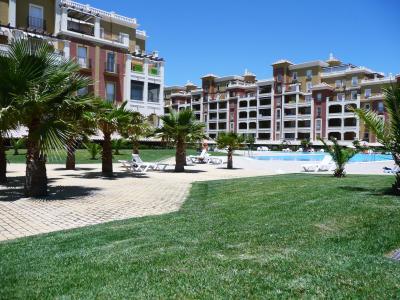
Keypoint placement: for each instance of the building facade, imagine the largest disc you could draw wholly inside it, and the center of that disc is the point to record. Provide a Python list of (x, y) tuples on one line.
[(301, 101), (108, 47)]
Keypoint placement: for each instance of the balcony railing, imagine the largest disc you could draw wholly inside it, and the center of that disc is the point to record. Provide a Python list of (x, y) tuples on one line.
[(111, 67), (80, 28), (85, 63), (36, 23)]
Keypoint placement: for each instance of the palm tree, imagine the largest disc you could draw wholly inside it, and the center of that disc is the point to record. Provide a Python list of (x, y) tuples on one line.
[(137, 128), (19, 68), (340, 156), (181, 128), (109, 119), (81, 128), (231, 141), (42, 106), (387, 132)]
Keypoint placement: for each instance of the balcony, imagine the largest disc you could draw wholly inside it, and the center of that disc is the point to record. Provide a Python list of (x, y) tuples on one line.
[(111, 67), (84, 21), (137, 68), (85, 63), (292, 88), (36, 23), (154, 72)]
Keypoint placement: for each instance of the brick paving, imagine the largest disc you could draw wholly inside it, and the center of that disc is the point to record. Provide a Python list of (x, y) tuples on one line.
[(81, 198)]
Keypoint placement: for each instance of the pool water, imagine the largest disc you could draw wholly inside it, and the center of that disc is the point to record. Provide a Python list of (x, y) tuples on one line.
[(359, 157)]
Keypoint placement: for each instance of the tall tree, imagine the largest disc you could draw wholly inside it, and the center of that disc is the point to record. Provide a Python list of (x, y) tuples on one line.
[(181, 128), (42, 106), (387, 131), (231, 141), (109, 119)]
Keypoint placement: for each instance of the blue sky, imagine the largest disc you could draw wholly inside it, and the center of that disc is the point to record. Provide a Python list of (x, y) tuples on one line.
[(225, 37)]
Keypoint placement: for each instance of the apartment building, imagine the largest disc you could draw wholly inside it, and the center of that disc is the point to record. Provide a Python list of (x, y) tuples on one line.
[(108, 47), (301, 101)]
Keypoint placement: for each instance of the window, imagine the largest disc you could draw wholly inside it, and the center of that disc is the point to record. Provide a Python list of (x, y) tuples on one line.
[(110, 91), (279, 89), (308, 98), (309, 74), (318, 123), (381, 108), (340, 97), (278, 113), (353, 95), (278, 126), (338, 83), (367, 93), (319, 111), (110, 64), (309, 86), (154, 92), (367, 106), (82, 57), (279, 77), (137, 90), (294, 76), (354, 81), (35, 18), (319, 97)]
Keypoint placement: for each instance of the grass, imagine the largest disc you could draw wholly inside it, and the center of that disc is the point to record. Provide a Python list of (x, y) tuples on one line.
[(83, 156), (266, 237)]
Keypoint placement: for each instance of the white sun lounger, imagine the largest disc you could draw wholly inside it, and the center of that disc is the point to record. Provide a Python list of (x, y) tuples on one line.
[(322, 166), (204, 157), (132, 167), (156, 166)]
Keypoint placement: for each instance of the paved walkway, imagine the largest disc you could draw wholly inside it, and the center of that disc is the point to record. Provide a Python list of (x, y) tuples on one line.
[(80, 198)]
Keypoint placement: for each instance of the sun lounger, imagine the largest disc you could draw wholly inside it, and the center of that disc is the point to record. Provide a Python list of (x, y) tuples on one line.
[(394, 170), (132, 167), (156, 166), (324, 165)]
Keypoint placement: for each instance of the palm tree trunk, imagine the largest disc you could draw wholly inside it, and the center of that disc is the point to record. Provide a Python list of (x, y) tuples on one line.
[(70, 162), (135, 147), (106, 157), (180, 157), (229, 163), (35, 175), (3, 161)]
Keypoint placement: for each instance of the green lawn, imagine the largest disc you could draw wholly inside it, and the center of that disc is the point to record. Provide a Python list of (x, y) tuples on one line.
[(83, 156), (265, 237)]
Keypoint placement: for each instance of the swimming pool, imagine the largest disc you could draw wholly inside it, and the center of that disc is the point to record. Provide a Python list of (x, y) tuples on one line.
[(318, 156)]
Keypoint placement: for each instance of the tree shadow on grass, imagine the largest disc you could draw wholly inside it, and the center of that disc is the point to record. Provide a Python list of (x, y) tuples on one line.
[(385, 191), (15, 191)]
